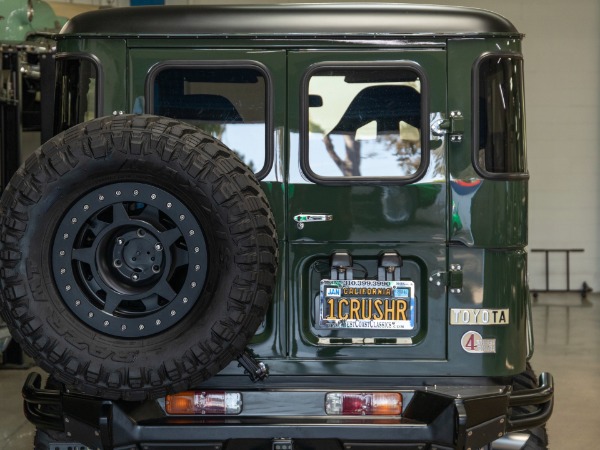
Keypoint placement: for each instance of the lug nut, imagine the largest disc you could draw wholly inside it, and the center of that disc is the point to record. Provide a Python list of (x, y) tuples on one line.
[(135, 277), (158, 247)]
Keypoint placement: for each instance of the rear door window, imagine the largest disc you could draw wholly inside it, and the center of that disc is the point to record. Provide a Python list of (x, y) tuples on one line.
[(229, 103), (365, 123)]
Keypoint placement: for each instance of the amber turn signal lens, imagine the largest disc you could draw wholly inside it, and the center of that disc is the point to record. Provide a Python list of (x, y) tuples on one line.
[(204, 402)]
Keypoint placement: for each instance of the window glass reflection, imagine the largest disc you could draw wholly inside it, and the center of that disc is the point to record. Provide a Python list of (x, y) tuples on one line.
[(227, 103), (364, 122)]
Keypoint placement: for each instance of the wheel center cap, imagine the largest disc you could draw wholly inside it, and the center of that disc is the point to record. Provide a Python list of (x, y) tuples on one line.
[(138, 255)]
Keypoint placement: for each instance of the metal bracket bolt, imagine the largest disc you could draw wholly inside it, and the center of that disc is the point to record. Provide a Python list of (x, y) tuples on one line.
[(437, 277)]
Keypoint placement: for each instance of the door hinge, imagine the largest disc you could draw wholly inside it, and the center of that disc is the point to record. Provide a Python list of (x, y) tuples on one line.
[(453, 279), (454, 126)]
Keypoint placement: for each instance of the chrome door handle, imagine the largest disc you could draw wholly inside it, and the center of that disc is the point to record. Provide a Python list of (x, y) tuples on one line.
[(304, 218)]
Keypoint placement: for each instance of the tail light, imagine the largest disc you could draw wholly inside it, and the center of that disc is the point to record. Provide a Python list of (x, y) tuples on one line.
[(363, 404), (204, 402)]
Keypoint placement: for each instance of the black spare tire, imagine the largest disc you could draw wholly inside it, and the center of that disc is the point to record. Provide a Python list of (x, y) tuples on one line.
[(137, 256)]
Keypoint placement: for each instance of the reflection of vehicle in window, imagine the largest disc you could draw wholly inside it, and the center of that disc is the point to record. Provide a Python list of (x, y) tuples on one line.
[(378, 115), (303, 197)]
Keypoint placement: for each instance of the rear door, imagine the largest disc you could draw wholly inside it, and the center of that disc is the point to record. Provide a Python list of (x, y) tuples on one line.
[(367, 207), (230, 94)]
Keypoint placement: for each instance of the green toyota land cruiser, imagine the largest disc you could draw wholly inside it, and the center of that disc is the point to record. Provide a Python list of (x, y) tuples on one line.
[(278, 227)]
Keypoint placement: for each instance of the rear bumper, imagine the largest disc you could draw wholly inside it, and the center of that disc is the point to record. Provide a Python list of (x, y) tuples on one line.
[(444, 417)]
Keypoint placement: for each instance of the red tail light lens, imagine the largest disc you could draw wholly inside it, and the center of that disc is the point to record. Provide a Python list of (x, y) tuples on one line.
[(363, 404), (204, 402)]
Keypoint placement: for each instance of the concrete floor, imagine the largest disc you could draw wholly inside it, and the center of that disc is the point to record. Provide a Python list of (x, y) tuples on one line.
[(567, 345)]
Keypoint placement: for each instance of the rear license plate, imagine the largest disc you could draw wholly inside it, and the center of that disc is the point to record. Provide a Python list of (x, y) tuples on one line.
[(367, 304)]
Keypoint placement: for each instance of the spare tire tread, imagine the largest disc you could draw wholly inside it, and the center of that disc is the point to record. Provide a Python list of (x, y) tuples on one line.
[(89, 366)]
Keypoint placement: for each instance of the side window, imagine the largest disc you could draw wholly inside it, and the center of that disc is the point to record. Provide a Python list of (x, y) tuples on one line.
[(364, 123), (229, 103), (77, 96), (499, 128)]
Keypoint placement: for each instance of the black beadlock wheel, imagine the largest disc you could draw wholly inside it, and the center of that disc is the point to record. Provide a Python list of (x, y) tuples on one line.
[(129, 259), (137, 256)]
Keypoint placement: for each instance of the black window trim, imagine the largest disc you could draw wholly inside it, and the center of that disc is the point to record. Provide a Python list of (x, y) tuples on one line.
[(99, 107), (481, 171), (220, 64), (360, 180)]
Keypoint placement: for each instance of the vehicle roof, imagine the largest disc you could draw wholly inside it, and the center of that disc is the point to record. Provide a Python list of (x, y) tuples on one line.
[(290, 20)]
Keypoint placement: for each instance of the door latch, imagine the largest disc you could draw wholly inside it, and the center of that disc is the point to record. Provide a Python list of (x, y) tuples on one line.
[(303, 218)]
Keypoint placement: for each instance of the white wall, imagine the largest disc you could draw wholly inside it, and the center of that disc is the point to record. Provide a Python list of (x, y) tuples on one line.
[(562, 69)]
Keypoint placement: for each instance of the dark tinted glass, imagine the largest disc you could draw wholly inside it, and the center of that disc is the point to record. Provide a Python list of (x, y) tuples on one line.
[(500, 124), (76, 90), (228, 103)]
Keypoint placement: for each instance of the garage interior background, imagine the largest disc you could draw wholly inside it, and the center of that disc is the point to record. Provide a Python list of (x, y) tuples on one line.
[(562, 65), (562, 70)]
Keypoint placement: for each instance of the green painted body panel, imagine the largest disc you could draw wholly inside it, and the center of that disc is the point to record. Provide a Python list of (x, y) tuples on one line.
[(269, 341), (493, 279), (452, 216), (493, 212)]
